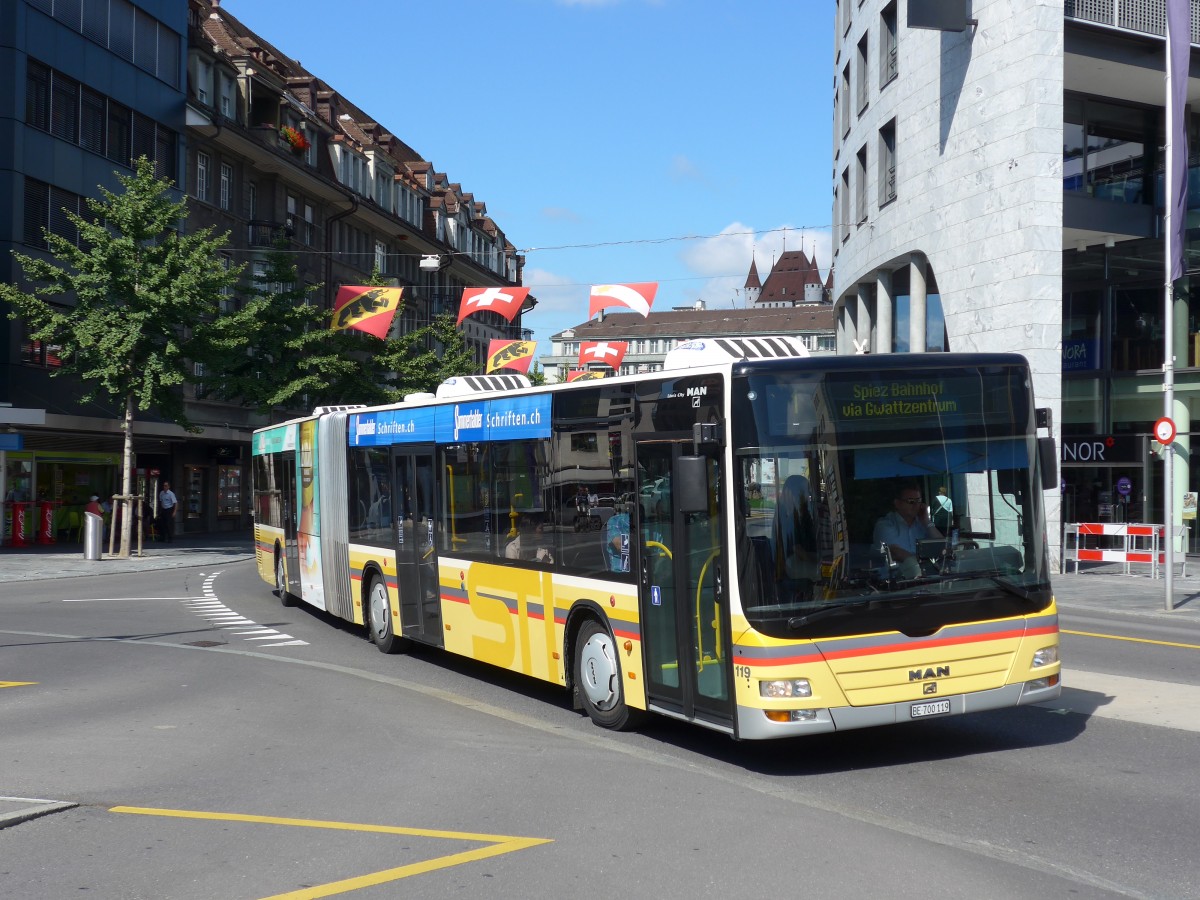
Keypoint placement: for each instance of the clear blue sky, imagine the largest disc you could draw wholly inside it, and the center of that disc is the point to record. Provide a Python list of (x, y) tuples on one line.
[(613, 124)]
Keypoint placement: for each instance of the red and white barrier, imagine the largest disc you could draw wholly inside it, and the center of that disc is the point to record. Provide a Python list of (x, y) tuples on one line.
[(1140, 544)]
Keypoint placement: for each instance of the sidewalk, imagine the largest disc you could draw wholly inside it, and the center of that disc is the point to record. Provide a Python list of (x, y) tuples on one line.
[(1097, 586), (41, 562)]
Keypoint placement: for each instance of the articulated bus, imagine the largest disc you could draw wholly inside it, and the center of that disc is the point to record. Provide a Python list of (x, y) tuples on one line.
[(701, 542)]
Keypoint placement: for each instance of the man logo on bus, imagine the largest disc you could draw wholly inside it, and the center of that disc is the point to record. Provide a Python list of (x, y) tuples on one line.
[(921, 674)]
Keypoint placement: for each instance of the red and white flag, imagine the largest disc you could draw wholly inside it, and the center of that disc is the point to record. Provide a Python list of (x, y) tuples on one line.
[(507, 301), (638, 297), (610, 353)]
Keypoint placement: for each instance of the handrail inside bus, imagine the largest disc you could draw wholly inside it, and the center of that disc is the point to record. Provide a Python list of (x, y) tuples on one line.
[(716, 621)]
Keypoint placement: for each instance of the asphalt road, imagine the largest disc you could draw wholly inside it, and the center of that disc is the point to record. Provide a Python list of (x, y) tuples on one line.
[(219, 745)]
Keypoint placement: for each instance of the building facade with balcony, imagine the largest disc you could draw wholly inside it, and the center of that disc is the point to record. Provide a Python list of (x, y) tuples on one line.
[(264, 150), (999, 187)]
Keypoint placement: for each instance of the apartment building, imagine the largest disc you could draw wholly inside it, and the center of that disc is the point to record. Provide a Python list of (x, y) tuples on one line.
[(997, 185), (263, 149)]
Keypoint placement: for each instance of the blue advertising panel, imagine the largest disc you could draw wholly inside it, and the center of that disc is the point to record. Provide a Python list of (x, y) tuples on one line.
[(500, 419), (391, 426)]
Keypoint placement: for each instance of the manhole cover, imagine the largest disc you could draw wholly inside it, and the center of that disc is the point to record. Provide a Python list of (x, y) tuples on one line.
[(204, 643)]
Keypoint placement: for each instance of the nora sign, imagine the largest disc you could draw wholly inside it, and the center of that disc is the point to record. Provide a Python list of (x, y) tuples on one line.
[(1101, 449)]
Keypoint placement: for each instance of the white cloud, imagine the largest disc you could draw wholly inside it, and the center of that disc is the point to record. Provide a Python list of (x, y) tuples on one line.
[(683, 169), (561, 214)]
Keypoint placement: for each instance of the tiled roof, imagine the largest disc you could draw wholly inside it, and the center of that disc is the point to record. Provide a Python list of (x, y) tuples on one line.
[(788, 277), (688, 323)]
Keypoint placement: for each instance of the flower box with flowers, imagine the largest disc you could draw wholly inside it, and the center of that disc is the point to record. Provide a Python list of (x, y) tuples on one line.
[(294, 139)]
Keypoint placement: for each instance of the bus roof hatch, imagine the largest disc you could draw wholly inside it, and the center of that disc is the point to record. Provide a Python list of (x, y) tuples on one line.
[(462, 385), (706, 351)]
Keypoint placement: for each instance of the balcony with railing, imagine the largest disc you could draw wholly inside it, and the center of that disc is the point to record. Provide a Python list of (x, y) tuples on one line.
[(1141, 16)]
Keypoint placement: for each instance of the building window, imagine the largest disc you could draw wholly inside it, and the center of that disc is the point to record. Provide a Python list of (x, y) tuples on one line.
[(37, 96), (203, 167), (846, 100), (306, 232), (861, 75), (860, 176), (40, 353), (889, 66), (845, 210), (226, 186), (887, 163), (120, 133), (380, 256), (64, 108), (92, 118)]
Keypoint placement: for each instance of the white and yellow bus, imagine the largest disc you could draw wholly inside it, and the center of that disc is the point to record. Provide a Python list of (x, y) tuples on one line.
[(701, 542)]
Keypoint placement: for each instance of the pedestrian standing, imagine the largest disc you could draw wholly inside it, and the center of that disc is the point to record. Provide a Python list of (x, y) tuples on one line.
[(167, 504)]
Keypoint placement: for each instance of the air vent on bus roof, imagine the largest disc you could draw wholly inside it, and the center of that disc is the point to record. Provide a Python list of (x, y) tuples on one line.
[(462, 385), (418, 397), (706, 351), (322, 410)]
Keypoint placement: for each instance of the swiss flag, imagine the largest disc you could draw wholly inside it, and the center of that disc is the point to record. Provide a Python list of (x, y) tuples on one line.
[(608, 352), (507, 301), (638, 297)]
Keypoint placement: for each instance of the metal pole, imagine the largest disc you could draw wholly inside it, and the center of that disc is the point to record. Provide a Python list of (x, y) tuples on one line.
[(1169, 332)]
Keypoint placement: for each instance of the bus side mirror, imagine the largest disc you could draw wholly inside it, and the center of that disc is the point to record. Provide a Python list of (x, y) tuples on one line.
[(1048, 459), (690, 480)]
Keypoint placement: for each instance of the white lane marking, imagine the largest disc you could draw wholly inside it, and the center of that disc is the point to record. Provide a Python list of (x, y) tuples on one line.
[(221, 616), (118, 599)]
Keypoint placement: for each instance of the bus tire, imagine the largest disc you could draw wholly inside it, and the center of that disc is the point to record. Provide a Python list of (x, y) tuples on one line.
[(281, 583), (379, 617), (598, 684)]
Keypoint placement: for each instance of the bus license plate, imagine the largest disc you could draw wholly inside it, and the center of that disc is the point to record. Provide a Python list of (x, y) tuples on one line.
[(937, 708)]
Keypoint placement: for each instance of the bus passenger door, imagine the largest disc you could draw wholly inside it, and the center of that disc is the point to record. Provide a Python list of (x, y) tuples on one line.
[(289, 483), (416, 546), (685, 618)]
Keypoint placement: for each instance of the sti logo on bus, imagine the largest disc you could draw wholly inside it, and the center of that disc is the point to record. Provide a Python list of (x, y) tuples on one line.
[(922, 674)]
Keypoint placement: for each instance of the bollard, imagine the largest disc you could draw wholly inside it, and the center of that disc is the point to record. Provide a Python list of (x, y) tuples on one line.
[(93, 535)]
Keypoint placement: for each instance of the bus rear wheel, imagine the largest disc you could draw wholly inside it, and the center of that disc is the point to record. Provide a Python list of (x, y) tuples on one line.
[(281, 583), (598, 678), (379, 617)]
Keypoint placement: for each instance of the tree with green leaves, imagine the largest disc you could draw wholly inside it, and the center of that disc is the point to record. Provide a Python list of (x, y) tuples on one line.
[(133, 304), (292, 356), (421, 359)]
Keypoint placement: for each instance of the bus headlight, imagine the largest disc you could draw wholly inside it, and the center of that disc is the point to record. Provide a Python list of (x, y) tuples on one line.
[(782, 690), (1045, 657)]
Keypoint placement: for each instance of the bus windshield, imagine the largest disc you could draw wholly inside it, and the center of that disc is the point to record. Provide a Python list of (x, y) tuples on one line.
[(887, 499)]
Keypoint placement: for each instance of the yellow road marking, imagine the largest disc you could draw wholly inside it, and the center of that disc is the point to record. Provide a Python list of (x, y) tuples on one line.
[(500, 844), (1132, 640), (4, 684)]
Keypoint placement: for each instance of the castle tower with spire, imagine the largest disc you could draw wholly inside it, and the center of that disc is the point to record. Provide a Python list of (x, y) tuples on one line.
[(753, 286)]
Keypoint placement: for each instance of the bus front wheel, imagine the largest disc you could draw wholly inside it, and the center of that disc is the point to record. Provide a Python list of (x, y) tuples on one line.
[(379, 617), (281, 583), (598, 678)]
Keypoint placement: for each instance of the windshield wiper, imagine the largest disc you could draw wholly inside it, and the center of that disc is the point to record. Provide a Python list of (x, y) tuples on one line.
[(1011, 587), (824, 612)]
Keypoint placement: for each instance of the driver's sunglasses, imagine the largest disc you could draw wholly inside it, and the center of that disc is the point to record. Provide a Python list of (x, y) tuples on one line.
[(910, 499)]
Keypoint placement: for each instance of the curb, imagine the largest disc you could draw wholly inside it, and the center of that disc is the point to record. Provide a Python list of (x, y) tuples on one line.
[(43, 808)]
